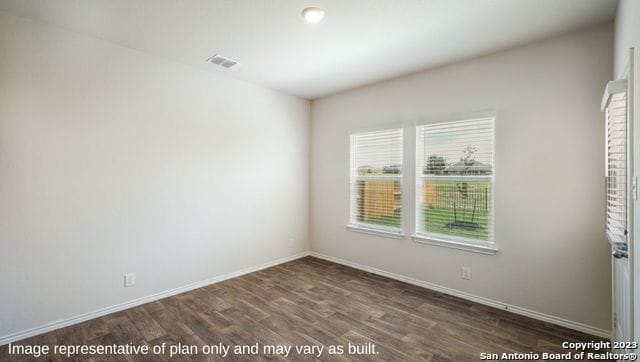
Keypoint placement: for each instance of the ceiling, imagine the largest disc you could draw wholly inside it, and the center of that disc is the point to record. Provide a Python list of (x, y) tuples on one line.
[(359, 41)]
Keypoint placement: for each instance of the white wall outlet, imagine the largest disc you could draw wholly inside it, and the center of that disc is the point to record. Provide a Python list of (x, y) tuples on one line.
[(466, 273), (129, 280)]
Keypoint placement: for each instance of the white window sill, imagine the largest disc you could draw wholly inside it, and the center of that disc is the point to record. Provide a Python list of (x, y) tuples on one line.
[(488, 249), (379, 232)]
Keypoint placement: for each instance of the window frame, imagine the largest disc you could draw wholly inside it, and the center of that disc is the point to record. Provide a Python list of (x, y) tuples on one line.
[(456, 242), (612, 174), (380, 230)]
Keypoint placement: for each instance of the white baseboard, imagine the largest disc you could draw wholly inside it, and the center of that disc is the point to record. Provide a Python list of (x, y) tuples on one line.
[(474, 298), (135, 302)]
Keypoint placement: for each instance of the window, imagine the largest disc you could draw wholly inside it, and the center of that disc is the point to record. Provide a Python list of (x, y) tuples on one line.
[(455, 179), (616, 163), (376, 180)]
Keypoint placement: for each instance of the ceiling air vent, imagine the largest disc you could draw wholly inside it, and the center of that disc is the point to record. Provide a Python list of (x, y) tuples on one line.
[(222, 61)]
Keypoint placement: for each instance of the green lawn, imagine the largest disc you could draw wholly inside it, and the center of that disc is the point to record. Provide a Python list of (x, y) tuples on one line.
[(391, 221), (436, 220), (439, 217)]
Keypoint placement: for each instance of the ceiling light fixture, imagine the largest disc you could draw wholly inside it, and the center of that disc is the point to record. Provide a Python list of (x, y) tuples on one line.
[(313, 15)]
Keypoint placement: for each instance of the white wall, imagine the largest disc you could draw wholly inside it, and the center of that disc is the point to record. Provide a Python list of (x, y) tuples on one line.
[(627, 35), (114, 161), (554, 257)]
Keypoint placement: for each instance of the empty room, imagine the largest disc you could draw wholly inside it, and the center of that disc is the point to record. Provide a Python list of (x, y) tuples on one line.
[(385, 180)]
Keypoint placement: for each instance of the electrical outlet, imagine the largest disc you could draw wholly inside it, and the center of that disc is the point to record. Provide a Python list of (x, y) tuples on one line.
[(129, 280), (466, 273)]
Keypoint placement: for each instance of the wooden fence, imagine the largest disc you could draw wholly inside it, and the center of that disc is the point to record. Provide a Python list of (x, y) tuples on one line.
[(378, 198), (382, 198), (462, 195)]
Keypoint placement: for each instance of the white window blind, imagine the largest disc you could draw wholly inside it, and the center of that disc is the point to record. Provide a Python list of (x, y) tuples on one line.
[(376, 179), (455, 180), (616, 168)]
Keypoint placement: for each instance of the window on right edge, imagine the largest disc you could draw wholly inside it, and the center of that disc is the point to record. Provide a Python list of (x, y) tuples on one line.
[(455, 181)]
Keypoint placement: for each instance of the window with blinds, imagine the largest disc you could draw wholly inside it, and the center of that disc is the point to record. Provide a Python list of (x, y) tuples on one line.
[(376, 180), (455, 180), (616, 167)]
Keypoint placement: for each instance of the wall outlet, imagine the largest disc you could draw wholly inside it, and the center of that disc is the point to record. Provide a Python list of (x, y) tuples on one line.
[(129, 280), (466, 273)]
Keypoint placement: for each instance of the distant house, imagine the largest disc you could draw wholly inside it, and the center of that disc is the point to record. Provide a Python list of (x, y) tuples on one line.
[(392, 169), (471, 167), (367, 170)]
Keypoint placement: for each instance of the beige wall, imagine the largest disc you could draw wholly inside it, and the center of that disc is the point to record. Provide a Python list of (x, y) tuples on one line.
[(554, 258), (114, 161)]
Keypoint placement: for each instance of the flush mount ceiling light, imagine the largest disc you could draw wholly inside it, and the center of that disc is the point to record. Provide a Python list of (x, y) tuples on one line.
[(313, 15)]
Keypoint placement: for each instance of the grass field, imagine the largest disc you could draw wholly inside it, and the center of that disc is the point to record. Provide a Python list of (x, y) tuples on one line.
[(436, 220), (391, 221), (440, 218)]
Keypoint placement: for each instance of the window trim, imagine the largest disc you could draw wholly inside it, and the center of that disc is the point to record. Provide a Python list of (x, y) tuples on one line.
[(365, 229), (452, 117), (472, 245), (467, 244), (409, 135), (617, 240), (382, 127)]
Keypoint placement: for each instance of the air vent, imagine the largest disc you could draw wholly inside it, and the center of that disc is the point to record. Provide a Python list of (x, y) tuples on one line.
[(222, 61)]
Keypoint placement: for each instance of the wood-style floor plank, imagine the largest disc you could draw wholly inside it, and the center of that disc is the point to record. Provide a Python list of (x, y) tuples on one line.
[(310, 301)]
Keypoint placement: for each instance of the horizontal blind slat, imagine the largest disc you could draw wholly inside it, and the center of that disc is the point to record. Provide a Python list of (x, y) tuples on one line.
[(376, 179), (616, 165), (455, 179)]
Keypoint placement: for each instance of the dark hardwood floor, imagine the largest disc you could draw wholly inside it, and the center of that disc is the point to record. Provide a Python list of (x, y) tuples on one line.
[(314, 302)]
